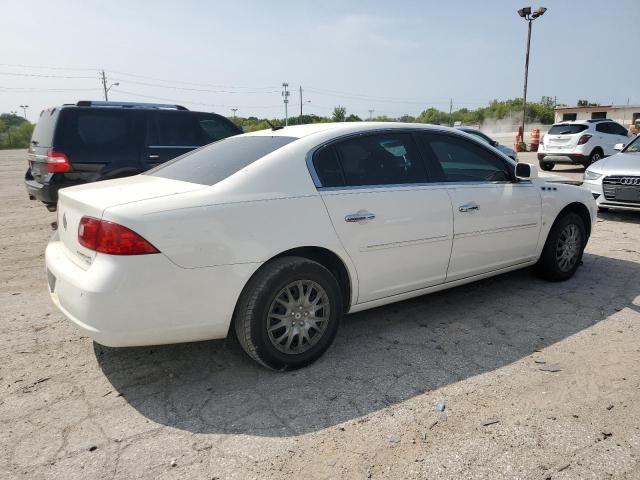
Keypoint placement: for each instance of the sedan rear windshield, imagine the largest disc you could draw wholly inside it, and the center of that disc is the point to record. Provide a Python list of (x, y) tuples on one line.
[(567, 129), (217, 161)]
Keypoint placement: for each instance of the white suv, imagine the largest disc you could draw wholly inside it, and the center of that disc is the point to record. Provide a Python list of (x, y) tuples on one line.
[(580, 141)]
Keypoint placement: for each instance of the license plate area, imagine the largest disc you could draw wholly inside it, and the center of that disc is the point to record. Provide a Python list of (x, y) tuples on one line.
[(628, 194), (51, 279)]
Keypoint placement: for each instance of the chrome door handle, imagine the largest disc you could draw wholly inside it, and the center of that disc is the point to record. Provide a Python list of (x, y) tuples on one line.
[(153, 157), (359, 217), (468, 207)]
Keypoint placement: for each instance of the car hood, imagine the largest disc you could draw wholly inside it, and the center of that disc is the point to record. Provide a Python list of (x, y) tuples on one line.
[(619, 164)]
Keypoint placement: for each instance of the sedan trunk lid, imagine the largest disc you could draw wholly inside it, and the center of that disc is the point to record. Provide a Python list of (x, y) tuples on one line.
[(93, 199)]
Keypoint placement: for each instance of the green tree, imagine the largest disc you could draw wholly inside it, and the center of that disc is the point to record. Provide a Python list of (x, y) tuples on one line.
[(353, 118), (339, 114)]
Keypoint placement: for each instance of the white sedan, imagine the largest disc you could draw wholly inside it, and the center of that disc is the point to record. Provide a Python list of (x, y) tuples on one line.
[(615, 180), (278, 233)]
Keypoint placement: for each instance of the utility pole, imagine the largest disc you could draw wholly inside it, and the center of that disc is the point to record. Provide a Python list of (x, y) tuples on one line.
[(104, 85), (371, 113), (234, 110), (450, 112), (285, 96), (300, 102), (24, 110)]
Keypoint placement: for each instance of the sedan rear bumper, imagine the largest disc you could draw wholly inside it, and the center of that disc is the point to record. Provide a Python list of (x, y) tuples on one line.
[(122, 301)]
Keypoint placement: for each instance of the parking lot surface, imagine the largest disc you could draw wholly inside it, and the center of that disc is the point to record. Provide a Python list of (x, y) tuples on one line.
[(536, 380)]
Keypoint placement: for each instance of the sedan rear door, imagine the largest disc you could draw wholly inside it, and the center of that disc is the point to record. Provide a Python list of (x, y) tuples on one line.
[(396, 228)]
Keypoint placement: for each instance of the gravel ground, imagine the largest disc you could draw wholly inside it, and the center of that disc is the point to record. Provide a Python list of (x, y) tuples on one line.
[(539, 380)]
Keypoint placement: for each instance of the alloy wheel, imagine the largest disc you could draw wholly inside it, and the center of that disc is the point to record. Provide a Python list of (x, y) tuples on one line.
[(298, 317), (568, 247)]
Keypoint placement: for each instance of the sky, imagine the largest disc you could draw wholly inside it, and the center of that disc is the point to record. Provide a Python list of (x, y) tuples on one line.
[(393, 57)]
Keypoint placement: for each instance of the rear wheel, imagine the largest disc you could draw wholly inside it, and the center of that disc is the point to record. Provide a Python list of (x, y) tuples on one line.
[(563, 249), (547, 166), (596, 155), (288, 314)]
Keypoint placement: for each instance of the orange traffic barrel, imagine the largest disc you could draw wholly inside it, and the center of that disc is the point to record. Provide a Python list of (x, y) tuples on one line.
[(535, 139), (518, 143)]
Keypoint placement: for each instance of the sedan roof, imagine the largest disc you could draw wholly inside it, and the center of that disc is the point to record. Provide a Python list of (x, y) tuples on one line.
[(301, 131)]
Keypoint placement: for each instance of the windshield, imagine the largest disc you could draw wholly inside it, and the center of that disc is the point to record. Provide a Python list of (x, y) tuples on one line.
[(566, 129), (633, 147), (215, 162)]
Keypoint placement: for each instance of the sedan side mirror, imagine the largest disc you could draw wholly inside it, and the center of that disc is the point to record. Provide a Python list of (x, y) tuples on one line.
[(618, 147), (526, 171)]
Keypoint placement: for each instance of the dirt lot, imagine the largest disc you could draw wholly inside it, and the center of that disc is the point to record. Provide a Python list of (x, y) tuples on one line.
[(539, 381)]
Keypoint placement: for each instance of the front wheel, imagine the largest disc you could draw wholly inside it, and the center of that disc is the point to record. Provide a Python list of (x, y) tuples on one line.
[(288, 314), (563, 249)]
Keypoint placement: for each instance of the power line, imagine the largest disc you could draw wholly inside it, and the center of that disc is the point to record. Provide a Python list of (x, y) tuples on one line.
[(36, 75)]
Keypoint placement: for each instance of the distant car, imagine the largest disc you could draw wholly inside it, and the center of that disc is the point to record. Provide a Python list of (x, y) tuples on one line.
[(615, 181), (276, 234), (509, 152), (91, 141), (581, 142)]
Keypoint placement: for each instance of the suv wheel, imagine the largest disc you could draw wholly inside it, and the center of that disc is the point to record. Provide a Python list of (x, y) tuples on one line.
[(547, 166), (596, 155), (563, 249), (288, 313)]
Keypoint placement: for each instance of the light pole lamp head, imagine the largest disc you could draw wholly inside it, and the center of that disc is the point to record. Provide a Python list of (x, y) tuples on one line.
[(539, 12), (524, 11)]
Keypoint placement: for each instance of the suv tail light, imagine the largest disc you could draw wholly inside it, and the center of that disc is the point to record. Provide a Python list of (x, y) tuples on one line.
[(57, 162), (109, 237), (583, 139)]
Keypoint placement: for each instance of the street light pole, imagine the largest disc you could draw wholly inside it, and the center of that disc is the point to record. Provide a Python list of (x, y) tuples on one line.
[(529, 16), (24, 110), (285, 95)]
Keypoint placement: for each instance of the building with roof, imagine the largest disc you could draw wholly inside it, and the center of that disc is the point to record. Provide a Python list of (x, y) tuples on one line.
[(623, 114)]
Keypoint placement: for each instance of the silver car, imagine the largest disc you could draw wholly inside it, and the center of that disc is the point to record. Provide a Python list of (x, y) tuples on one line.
[(615, 181), (509, 152)]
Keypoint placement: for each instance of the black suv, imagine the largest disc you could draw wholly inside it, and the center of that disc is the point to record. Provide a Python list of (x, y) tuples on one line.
[(90, 141)]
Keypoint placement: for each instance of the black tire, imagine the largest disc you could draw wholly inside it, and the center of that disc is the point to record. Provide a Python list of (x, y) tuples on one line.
[(258, 299), (596, 154), (547, 166), (550, 266)]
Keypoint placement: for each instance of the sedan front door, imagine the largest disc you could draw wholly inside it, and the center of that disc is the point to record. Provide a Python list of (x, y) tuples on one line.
[(497, 219)]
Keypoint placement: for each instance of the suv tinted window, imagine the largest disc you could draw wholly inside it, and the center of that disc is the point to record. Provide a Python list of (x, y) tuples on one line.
[(214, 128), (99, 135), (384, 159), (43, 132), (456, 159), (175, 129), (566, 129), (618, 129), (604, 127), (217, 161)]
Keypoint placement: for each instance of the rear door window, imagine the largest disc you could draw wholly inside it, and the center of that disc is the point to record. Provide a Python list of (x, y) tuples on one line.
[(604, 128), (100, 135), (217, 161), (382, 159), (567, 129)]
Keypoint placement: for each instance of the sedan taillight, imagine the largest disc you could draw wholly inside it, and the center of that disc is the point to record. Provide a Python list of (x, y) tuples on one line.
[(109, 237), (584, 139)]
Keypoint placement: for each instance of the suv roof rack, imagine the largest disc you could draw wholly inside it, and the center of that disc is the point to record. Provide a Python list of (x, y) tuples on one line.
[(93, 103), (594, 120)]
